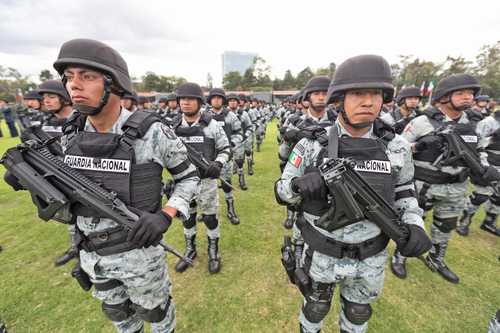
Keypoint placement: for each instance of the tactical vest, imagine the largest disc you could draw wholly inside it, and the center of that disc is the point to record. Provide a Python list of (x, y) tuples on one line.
[(109, 160), (194, 136), (244, 126), (430, 154), (493, 149), (53, 126), (308, 121), (221, 119), (373, 165)]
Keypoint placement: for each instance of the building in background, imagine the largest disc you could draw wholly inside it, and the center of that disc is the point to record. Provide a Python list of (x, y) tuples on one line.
[(233, 61)]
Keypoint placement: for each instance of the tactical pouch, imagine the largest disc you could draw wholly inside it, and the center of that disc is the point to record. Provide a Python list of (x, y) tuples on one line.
[(81, 277)]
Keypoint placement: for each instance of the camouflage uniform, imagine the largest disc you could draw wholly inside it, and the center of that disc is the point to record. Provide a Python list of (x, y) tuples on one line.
[(139, 276), (494, 326), (360, 281), (239, 152)]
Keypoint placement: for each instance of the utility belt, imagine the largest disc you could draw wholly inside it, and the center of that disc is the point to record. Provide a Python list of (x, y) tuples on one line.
[(106, 242), (333, 248), (439, 177)]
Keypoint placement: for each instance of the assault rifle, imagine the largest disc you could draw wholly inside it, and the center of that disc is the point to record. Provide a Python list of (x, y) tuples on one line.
[(54, 185), (355, 200)]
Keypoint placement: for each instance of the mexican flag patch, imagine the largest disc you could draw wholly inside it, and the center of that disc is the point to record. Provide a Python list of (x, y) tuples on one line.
[(295, 159)]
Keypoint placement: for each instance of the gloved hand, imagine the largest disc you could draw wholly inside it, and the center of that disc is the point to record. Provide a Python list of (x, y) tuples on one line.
[(428, 141), (214, 169), (10, 179), (310, 186), (149, 228), (291, 135), (491, 174), (417, 244)]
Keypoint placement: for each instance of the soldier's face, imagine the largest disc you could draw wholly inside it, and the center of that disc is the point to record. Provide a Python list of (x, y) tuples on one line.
[(233, 104), (462, 99), (85, 86), (32, 103), (305, 104), (216, 102), (172, 104), (482, 104), (254, 104), (412, 102), (363, 105), (317, 100), (126, 103), (52, 102), (162, 105), (189, 106)]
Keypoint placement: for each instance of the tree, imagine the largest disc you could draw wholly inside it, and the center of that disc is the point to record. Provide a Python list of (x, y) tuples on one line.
[(249, 80), (151, 81), (303, 77), (455, 66), (232, 81), (288, 80), (487, 69), (45, 75), (210, 81), (414, 71)]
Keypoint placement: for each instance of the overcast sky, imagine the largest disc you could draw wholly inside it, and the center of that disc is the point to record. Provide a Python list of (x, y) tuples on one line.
[(186, 38)]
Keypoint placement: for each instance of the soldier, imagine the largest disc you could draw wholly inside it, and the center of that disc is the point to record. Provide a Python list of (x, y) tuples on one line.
[(204, 135), (8, 114), (32, 114), (488, 130), (244, 105), (246, 126), (232, 127), (407, 101), (448, 183), (172, 108), (162, 107), (129, 101), (128, 269), (481, 104), (495, 323), (258, 123), (353, 256)]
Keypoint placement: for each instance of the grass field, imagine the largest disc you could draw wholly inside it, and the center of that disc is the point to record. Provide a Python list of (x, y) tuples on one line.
[(252, 293)]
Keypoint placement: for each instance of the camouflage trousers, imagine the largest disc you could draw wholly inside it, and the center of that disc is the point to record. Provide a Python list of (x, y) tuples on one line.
[(227, 175), (490, 205), (359, 281), (448, 202), (144, 280), (494, 326), (206, 203), (249, 145)]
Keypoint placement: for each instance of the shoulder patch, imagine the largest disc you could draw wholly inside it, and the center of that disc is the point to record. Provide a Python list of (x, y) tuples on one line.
[(169, 133), (300, 148), (295, 159)]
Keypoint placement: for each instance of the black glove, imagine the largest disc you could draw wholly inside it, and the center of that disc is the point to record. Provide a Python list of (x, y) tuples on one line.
[(214, 169), (491, 174), (417, 244), (149, 228), (10, 179), (310, 186), (291, 135), (428, 141)]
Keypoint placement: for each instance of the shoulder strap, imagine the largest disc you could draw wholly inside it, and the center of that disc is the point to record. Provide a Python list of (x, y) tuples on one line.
[(76, 122), (333, 142), (138, 124)]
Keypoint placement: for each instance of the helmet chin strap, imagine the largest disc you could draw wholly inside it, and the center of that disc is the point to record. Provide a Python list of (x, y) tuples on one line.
[(92, 111)]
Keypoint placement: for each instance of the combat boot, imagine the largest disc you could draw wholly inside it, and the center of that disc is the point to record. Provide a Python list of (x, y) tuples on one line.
[(258, 147), (241, 179), (70, 254), (231, 214), (213, 255), (398, 265), (250, 166), (290, 217), (303, 330), (190, 253), (235, 168), (464, 223), (490, 224), (435, 262)]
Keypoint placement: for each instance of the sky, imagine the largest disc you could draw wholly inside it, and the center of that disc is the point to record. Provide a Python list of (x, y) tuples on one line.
[(187, 38)]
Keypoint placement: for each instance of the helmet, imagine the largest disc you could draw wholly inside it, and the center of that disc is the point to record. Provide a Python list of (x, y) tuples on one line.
[(217, 92), (362, 72), (132, 96), (408, 92), (317, 83), (97, 55), (54, 87), (300, 96), (189, 90), (232, 96), (453, 83), (482, 98), (142, 99), (162, 100), (171, 97), (32, 94)]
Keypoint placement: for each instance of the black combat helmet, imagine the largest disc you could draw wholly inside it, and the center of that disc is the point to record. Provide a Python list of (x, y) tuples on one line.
[(362, 72), (132, 96), (453, 83), (171, 97), (96, 55), (32, 94), (191, 90), (317, 83), (54, 87), (408, 92), (216, 92), (482, 98), (233, 96)]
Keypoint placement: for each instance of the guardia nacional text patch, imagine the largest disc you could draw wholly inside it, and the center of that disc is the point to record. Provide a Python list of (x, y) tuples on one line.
[(97, 164)]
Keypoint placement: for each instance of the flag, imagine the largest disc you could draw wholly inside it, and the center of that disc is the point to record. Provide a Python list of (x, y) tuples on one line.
[(430, 88), (295, 159), (422, 89)]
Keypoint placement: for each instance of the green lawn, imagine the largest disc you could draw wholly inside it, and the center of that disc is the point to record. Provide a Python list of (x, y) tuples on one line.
[(252, 293)]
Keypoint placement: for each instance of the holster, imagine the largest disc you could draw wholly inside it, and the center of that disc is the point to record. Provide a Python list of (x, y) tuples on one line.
[(106, 242)]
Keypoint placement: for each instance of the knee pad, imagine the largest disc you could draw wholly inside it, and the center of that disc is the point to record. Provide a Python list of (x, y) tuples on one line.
[(357, 313), (225, 187), (445, 224), (240, 163), (210, 221), (495, 199), (318, 302), (190, 222), (477, 199), (118, 312), (248, 153), (155, 315)]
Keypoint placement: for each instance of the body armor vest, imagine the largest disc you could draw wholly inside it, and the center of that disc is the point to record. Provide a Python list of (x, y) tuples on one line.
[(109, 160), (53, 126), (221, 119)]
